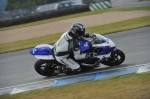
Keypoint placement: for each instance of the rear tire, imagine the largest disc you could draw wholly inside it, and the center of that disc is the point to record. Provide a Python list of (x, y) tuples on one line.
[(45, 67), (117, 57)]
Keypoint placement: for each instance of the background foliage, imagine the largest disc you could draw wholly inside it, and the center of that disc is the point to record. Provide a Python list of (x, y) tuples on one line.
[(18, 4)]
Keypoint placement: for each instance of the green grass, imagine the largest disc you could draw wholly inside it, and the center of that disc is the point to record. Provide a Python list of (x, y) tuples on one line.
[(74, 16), (135, 86), (121, 26), (102, 29)]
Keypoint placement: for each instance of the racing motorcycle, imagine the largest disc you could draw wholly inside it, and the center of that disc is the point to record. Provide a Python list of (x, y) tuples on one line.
[(47, 64)]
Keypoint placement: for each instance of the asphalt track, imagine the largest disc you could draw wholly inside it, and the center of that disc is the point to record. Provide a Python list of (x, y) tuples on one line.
[(17, 67), (129, 3)]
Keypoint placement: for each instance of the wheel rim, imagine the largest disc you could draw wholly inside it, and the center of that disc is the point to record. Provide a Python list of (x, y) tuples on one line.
[(115, 58)]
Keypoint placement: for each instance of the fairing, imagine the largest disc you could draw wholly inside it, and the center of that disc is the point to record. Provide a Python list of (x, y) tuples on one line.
[(85, 45), (106, 50), (43, 51)]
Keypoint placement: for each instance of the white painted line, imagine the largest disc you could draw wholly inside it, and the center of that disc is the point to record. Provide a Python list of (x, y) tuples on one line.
[(32, 83), (143, 69)]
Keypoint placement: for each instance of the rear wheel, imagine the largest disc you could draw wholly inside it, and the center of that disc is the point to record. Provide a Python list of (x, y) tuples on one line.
[(45, 67), (117, 57)]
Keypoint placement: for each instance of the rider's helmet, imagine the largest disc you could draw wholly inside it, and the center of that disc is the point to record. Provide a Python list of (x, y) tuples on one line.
[(77, 30)]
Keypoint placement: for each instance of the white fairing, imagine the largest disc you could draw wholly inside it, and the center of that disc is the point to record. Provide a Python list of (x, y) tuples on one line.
[(45, 57), (111, 43), (108, 42), (44, 45)]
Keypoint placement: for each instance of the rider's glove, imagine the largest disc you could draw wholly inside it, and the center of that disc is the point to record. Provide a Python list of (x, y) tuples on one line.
[(91, 55), (86, 35), (91, 35)]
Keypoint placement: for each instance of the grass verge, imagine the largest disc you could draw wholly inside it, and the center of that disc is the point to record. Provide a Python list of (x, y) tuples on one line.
[(102, 29), (135, 86), (74, 16)]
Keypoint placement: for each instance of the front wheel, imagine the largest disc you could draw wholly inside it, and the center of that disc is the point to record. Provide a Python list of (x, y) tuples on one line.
[(117, 57), (45, 67)]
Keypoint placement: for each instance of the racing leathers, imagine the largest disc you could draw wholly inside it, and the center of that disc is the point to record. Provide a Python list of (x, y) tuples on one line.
[(67, 45), (63, 48)]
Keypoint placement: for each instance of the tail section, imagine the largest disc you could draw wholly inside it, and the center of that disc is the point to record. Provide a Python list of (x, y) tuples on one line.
[(43, 51)]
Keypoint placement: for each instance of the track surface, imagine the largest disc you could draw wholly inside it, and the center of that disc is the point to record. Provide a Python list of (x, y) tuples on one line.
[(129, 3), (17, 67)]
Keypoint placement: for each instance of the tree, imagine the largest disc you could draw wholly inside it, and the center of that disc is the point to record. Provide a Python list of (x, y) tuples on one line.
[(19, 4)]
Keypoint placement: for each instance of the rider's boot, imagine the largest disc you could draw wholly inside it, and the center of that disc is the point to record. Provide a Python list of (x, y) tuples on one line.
[(69, 71)]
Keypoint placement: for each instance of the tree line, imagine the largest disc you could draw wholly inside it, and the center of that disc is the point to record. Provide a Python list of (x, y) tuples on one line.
[(19, 4)]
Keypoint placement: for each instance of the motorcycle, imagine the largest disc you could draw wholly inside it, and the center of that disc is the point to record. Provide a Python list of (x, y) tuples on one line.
[(47, 64)]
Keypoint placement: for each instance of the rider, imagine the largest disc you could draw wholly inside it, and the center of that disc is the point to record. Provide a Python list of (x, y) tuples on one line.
[(68, 44)]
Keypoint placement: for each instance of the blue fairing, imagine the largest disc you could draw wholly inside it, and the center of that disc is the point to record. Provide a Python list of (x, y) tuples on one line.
[(85, 45), (106, 50), (41, 51)]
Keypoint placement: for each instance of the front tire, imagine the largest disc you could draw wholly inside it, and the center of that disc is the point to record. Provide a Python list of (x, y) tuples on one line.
[(117, 57), (45, 67)]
